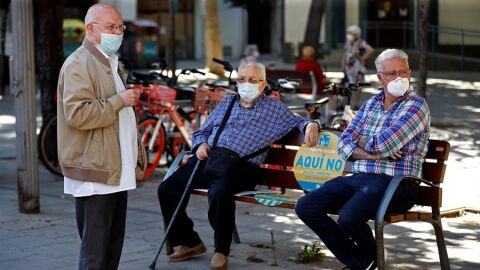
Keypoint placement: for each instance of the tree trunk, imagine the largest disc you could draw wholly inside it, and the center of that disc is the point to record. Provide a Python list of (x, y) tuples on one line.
[(4, 6), (277, 26), (213, 40), (423, 65), (48, 16), (314, 23)]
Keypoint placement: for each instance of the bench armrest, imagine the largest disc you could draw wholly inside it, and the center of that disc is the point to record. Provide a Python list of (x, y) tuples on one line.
[(387, 197), (176, 162)]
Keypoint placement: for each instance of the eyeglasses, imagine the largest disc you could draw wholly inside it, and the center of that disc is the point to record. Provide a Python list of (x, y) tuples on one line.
[(390, 75), (249, 79), (112, 27)]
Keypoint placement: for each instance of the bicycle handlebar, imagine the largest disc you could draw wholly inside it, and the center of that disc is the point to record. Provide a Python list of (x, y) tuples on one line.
[(191, 70), (345, 89), (226, 65)]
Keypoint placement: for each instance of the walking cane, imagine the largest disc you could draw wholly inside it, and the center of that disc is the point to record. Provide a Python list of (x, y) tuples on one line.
[(187, 187)]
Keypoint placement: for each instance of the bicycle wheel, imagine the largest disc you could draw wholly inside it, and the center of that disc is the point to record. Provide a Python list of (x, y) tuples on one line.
[(175, 145), (147, 129), (47, 146)]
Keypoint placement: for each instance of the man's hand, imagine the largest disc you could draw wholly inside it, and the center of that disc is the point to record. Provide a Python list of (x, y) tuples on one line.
[(311, 134), (202, 151), (396, 156), (130, 97), (362, 141)]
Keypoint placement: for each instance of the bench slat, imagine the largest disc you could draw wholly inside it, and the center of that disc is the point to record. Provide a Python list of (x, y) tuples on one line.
[(438, 150), (278, 178), (294, 137), (280, 156), (429, 196), (433, 172)]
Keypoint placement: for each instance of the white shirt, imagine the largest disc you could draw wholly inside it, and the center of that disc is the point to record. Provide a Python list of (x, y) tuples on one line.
[(128, 150)]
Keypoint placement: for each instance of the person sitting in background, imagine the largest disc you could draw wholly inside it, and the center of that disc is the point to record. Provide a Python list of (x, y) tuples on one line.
[(308, 63)]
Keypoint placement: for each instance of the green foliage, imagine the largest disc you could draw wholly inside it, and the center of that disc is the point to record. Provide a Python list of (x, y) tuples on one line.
[(310, 254)]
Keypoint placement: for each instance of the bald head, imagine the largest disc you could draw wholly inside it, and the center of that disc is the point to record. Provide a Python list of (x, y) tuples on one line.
[(99, 19), (308, 53), (97, 10)]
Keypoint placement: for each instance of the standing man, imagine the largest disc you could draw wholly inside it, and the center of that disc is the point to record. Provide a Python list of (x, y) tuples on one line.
[(255, 122), (388, 137), (97, 138)]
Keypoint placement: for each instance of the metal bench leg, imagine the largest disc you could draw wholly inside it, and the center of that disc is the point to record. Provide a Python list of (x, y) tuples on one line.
[(236, 237), (442, 248), (380, 244)]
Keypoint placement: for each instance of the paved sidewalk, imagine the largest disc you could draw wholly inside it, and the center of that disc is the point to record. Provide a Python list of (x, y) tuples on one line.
[(49, 240)]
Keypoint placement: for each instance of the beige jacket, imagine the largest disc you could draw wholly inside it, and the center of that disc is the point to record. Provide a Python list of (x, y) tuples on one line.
[(88, 119)]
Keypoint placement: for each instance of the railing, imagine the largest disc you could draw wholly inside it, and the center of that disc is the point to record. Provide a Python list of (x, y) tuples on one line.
[(450, 42)]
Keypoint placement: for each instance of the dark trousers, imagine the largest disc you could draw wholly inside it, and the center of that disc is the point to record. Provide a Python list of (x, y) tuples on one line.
[(101, 225), (221, 201), (358, 197)]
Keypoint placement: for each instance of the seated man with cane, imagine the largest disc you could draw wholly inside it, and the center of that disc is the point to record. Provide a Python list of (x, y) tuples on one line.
[(230, 145)]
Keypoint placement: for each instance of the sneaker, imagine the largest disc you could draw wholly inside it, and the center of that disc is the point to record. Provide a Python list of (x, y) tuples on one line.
[(184, 252)]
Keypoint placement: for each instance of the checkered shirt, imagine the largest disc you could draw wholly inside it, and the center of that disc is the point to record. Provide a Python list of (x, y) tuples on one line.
[(248, 130), (404, 127)]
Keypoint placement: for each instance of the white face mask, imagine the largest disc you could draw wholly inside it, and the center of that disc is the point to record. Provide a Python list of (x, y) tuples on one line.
[(110, 43), (350, 37), (398, 87), (248, 91)]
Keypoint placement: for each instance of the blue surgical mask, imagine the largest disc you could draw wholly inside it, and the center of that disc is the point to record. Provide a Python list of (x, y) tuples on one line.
[(248, 91), (110, 43)]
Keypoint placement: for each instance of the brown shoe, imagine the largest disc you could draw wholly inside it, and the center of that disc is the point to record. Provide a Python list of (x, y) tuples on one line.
[(219, 261), (184, 253)]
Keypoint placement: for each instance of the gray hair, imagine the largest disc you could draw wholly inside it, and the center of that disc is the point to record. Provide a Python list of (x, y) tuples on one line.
[(260, 67), (389, 54), (354, 29)]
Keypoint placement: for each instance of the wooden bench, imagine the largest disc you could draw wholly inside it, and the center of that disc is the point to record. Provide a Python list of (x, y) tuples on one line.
[(277, 172)]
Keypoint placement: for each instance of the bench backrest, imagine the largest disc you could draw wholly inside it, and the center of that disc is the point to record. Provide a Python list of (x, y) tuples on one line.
[(277, 170), (306, 79)]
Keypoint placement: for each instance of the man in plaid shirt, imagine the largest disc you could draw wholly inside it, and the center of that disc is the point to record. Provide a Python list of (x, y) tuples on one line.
[(388, 137), (255, 122)]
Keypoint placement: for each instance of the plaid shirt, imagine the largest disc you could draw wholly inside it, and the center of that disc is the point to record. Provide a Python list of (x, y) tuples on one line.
[(248, 130), (404, 127)]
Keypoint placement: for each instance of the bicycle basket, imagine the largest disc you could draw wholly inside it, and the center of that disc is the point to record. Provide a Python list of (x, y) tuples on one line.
[(206, 100), (162, 94)]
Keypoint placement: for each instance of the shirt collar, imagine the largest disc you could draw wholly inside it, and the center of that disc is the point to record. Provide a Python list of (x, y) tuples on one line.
[(256, 102), (113, 59)]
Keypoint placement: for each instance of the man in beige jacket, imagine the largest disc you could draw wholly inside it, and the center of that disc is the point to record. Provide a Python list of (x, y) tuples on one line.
[(97, 138)]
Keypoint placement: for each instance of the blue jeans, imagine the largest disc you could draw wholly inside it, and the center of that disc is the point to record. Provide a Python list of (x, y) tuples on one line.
[(358, 197)]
